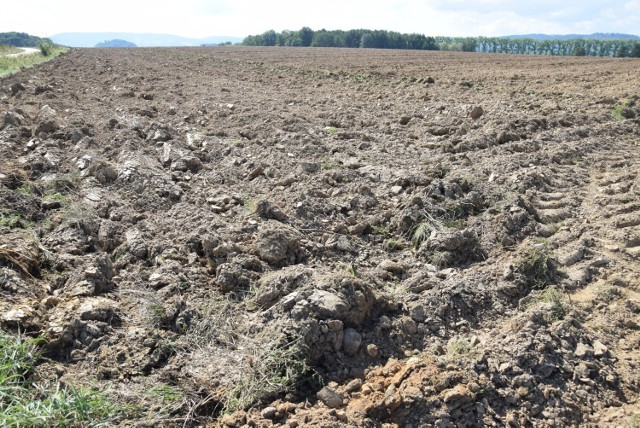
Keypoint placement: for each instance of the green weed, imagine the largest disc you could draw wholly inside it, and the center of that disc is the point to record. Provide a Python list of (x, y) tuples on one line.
[(394, 245), (535, 264), (330, 130), (328, 164), (459, 349), (276, 369), (11, 219), (46, 48), (27, 189), (378, 230), (167, 393), (156, 314), (421, 233), (553, 298), (350, 269), (24, 403)]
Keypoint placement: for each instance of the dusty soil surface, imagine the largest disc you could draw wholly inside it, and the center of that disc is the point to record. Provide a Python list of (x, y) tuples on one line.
[(310, 237)]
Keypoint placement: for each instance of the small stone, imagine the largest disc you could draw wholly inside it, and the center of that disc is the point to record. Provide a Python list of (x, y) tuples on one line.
[(330, 397), (599, 349), (631, 324), (507, 273), (545, 370), (372, 350), (582, 350), (351, 341), (358, 229), (458, 393), (396, 190), (268, 412), (581, 371), (409, 326), (292, 423), (342, 416), (392, 402), (393, 267), (256, 172), (16, 87), (366, 389), (384, 322), (476, 112)]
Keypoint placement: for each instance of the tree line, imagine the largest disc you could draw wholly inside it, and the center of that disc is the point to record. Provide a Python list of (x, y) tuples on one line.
[(382, 39), (379, 39), (560, 47), (22, 40)]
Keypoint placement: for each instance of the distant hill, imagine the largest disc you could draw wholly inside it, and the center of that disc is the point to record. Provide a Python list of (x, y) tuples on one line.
[(22, 40), (594, 36), (116, 43), (89, 40)]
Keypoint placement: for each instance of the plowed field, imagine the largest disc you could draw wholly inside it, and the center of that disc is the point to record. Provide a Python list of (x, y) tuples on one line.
[(328, 237)]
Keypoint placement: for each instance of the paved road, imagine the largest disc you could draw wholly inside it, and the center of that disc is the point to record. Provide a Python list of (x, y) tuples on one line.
[(25, 51)]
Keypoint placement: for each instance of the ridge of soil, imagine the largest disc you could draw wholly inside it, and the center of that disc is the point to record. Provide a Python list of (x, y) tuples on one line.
[(328, 237)]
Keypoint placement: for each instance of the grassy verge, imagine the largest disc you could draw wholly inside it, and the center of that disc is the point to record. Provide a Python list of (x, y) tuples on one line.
[(8, 50), (24, 402), (10, 65)]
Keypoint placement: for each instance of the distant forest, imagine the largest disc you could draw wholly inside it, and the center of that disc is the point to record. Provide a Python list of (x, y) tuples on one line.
[(116, 43), (382, 39), (23, 40)]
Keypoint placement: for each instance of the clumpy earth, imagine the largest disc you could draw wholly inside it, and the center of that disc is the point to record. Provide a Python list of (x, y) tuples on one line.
[(317, 237)]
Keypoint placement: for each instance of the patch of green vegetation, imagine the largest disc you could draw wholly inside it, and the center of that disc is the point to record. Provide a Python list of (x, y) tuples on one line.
[(330, 130), (440, 259), (77, 213), (421, 233), (459, 349), (350, 269), (453, 223), (65, 184), (616, 113), (553, 298), (634, 421), (9, 65), (9, 50), (276, 369), (27, 189), (535, 264), (11, 219), (378, 229), (156, 314), (25, 403), (327, 163), (59, 197), (46, 47), (167, 393), (362, 78), (394, 245), (622, 111)]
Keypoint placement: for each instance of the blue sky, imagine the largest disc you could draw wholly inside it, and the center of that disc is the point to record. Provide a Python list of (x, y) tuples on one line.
[(199, 18)]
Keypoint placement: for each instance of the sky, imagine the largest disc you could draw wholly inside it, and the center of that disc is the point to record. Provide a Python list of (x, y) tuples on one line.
[(201, 18)]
